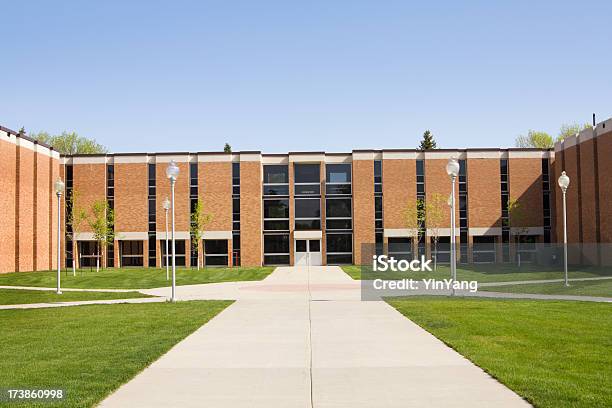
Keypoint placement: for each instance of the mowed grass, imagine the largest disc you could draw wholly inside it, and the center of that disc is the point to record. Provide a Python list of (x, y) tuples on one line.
[(19, 296), (133, 278), (552, 353), (580, 288), (91, 350), (481, 273)]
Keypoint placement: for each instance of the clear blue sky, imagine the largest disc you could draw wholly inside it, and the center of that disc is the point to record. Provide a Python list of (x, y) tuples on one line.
[(283, 76)]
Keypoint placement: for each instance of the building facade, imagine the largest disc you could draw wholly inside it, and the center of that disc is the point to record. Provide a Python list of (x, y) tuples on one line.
[(302, 207)]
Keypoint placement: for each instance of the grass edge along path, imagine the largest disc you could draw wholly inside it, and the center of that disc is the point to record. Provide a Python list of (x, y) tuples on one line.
[(92, 350), (552, 353), (133, 278), (24, 296), (599, 288)]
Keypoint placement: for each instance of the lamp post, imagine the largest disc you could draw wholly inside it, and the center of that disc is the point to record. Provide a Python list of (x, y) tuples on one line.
[(172, 172), (564, 181), (166, 205), (59, 190), (452, 169)]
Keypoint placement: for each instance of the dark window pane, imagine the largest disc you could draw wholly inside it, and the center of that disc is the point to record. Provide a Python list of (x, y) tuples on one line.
[(308, 189), (338, 207), (215, 246), (276, 173), (236, 171), (338, 173), (151, 172), (378, 169), (306, 173), (339, 242), (216, 260), (300, 245), (276, 244), (236, 205), (339, 259), (307, 225), (276, 208), (276, 260), (276, 190), (332, 189), (314, 245), (378, 204), (276, 225), (420, 167), (338, 224), (378, 188), (307, 208)]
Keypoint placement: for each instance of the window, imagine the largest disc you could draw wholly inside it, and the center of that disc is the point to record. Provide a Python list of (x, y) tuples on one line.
[(236, 214), (306, 180), (338, 213), (339, 248), (463, 211), (441, 249), (193, 201), (110, 198), (338, 179), (546, 199), (216, 252), (378, 206), (68, 226), (505, 197), (179, 252), (276, 208), (307, 213), (152, 255), (276, 249), (400, 248), (131, 253), (87, 253), (275, 174), (483, 249), (420, 178)]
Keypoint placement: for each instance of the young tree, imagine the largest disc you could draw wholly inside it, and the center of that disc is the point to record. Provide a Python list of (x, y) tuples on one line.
[(199, 220), (227, 148), (428, 141), (70, 143), (535, 139), (571, 129), (76, 218), (435, 209), (414, 219), (102, 224), (516, 217)]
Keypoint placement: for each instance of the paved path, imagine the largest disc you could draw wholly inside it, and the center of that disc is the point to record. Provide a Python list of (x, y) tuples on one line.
[(303, 338)]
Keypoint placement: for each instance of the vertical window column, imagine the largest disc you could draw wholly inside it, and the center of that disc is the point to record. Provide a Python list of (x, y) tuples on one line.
[(110, 199), (307, 200), (276, 214), (68, 209), (546, 198), (420, 185), (152, 220), (338, 214), (505, 199), (378, 206), (463, 211), (236, 214), (193, 201)]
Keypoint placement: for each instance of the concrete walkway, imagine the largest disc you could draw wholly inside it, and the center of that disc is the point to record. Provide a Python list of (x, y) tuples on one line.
[(303, 338)]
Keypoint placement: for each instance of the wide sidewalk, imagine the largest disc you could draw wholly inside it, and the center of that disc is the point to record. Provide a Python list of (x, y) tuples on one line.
[(303, 338)]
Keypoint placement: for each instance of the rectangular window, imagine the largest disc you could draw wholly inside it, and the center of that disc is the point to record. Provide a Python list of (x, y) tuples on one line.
[(505, 198), (276, 208), (216, 252), (131, 253), (339, 248), (306, 173), (152, 203), (275, 174), (483, 249), (546, 199), (276, 249), (378, 205), (110, 199), (180, 253), (400, 248), (338, 208), (338, 179), (307, 213), (463, 211)]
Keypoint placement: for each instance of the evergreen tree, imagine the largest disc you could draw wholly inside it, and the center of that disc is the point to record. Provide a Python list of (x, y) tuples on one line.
[(227, 148), (428, 141)]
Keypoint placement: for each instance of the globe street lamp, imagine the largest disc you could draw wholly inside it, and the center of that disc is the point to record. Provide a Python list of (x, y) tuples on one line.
[(172, 172), (452, 169), (166, 205), (59, 190), (564, 181)]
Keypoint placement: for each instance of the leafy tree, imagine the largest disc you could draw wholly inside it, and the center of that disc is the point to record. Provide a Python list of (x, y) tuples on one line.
[(571, 129), (227, 148), (414, 218), (102, 224), (76, 218), (199, 220), (70, 143), (535, 139), (435, 210), (428, 141), (516, 218)]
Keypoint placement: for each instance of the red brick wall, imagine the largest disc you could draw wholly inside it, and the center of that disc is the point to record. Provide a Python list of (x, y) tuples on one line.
[(215, 190), (573, 211), (182, 216), (399, 188), (363, 205), (25, 261), (250, 213), (131, 204), (8, 186), (604, 159), (438, 182), (484, 193), (43, 213), (525, 176), (89, 183)]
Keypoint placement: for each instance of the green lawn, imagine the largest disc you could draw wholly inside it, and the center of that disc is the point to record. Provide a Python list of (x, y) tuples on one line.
[(91, 350), (580, 288), (133, 278), (19, 296), (553, 353), (485, 273)]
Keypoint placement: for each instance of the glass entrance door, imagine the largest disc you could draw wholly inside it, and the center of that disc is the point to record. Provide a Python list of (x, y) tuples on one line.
[(308, 251)]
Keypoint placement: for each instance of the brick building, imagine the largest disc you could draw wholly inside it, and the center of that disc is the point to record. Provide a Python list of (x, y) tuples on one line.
[(302, 207)]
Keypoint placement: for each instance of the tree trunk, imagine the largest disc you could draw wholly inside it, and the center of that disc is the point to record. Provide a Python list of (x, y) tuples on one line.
[(74, 251), (98, 259)]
